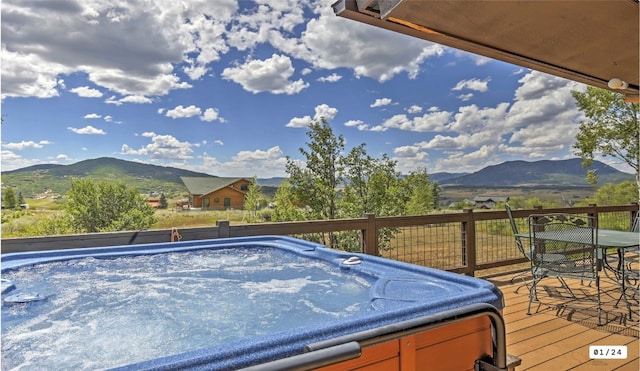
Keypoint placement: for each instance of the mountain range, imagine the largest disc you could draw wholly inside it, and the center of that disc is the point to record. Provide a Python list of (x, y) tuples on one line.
[(54, 178), (565, 173)]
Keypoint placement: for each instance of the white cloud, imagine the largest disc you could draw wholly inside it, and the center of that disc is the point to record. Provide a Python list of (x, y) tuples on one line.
[(332, 42), (323, 111), (432, 121), (473, 84), (261, 163), (13, 161), (154, 45), (92, 116), (87, 130), (126, 47), (269, 75), (359, 124), (184, 112), (381, 102), (195, 72), (138, 99), (86, 92), (528, 128), (334, 77), (165, 147), (414, 109), (25, 144), (465, 97), (210, 114)]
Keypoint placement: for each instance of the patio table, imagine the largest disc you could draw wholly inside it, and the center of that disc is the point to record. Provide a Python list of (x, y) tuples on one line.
[(605, 239)]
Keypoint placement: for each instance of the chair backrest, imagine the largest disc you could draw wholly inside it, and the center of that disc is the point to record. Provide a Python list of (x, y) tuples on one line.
[(572, 237), (514, 228), (635, 226)]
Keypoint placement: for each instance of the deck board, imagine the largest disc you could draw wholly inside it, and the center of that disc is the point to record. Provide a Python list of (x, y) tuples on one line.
[(558, 333)]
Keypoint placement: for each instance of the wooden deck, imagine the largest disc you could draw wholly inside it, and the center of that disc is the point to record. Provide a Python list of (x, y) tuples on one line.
[(556, 337)]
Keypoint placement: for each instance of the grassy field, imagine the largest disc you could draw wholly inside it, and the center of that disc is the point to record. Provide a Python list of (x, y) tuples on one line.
[(13, 223), (562, 195)]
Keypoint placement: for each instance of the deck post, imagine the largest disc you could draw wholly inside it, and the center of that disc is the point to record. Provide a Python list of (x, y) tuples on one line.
[(594, 215), (370, 236), (224, 230), (469, 243)]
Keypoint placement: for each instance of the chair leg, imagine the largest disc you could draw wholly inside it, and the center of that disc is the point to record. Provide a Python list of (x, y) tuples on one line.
[(525, 283), (533, 293), (599, 306), (565, 286)]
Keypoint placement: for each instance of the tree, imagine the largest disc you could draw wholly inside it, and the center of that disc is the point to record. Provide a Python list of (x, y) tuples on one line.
[(371, 185), (285, 208), (423, 194), (610, 129), (252, 198), (9, 198), (20, 199), (103, 206), (315, 182), (622, 193), (162, 202)]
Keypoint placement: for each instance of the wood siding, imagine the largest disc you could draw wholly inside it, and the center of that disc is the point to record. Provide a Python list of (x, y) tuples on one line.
[(216, 199)]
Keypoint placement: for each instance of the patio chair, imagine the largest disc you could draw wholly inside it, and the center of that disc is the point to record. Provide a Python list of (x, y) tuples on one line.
[(569, 235), (526, 253), (631, 272)]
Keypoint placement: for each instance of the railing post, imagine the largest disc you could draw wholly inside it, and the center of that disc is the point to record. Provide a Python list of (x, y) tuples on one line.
[(594, 215), (469, 243), (370, 236), (224, 230)]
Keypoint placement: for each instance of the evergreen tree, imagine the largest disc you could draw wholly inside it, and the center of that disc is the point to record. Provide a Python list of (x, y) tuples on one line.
[(20, 199), (9, 200), (162, 202)]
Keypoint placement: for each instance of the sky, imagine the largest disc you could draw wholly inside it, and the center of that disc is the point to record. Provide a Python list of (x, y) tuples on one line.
[(229, 87)]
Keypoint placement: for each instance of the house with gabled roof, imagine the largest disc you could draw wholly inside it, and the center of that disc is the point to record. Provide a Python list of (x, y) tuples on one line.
[(216, 192), (488, 202)]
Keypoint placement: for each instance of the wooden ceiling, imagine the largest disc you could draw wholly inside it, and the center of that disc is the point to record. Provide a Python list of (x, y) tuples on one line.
[(591, 41)]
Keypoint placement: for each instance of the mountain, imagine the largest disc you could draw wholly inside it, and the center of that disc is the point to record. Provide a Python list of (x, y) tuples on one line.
[(49, 178), (538, 173), (443, 176), (270, 182), (52, 178)]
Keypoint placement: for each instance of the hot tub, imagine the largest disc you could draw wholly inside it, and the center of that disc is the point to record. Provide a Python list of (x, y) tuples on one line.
[(269, 302)]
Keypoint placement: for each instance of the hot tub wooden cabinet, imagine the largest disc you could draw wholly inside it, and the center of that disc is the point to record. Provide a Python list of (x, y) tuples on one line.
[(468, 338)]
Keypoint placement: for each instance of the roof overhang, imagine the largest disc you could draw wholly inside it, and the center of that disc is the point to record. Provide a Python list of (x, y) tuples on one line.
[(591, 42)]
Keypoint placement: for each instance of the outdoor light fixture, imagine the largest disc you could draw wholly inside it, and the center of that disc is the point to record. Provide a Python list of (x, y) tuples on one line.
[(616, 83)]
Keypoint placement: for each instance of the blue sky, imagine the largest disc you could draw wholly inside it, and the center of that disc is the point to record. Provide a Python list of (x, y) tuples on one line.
[(228, 88)]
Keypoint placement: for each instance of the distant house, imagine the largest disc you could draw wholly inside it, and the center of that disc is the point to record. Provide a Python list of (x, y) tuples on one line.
[(216, 193), (488, 202)]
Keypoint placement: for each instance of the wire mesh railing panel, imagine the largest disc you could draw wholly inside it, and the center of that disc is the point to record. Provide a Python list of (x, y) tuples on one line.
[(617, 220), (350, 241), (432, 245), (495, 240)]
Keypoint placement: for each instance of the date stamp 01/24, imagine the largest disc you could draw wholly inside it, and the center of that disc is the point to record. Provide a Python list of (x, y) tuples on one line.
[(608, 351)]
